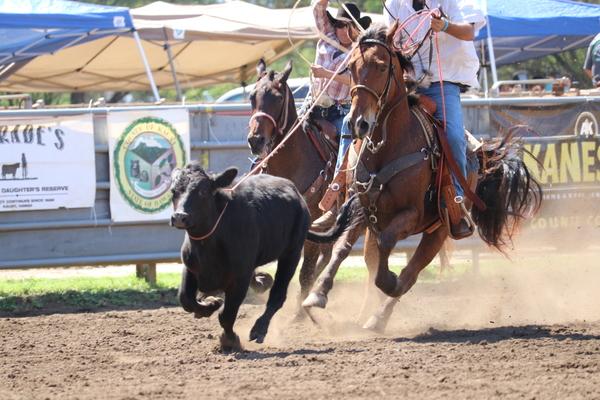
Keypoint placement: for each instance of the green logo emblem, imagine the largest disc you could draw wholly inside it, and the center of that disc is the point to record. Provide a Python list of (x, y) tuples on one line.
[(145, 154)]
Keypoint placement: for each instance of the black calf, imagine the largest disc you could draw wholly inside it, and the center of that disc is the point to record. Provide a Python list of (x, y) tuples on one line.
[(230, 233)]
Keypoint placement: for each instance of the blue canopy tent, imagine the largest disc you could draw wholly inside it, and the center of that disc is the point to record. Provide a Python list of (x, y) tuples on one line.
[(31, 28), (519, 30)]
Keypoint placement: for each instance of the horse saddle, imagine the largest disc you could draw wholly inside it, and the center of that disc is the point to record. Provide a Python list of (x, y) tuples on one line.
[(427, 104), (442, 183), (454, 208), (326, 128)]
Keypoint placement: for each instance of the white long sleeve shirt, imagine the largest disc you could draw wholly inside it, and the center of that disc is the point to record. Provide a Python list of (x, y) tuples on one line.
[(459, 58)]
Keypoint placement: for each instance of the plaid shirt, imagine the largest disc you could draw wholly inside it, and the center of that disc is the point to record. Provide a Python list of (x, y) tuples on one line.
[(328, 56)]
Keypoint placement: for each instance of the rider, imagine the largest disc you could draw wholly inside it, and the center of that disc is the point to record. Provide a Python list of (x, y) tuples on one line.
[(591, 66), (458, 24), (334, 104)]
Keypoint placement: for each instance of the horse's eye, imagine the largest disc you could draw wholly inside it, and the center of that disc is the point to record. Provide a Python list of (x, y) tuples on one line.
[(383, 67)]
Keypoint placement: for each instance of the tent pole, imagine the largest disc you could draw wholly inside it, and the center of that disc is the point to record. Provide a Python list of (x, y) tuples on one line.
[(486, 84), (491, 51), (138, 42), (167, 47)]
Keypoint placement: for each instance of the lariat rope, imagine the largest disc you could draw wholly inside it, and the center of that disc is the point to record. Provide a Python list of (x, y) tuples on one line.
[(411, 46), (300, 120), (298, 123), (213, 228), (292, 129), (289, 35), (359, 26)]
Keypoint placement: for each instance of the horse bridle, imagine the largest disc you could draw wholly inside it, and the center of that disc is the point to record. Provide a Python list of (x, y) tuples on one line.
[(381, 98), (284, 112)]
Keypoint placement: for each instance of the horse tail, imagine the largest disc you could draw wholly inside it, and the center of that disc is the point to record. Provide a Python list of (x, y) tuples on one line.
[(351, 214), (508, 190)]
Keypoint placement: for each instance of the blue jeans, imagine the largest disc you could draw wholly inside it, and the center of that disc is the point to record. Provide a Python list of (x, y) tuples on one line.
[(342, 128), (455, 129)]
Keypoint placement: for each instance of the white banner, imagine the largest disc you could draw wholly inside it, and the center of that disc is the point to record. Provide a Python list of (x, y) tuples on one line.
[(47, 163), (144, 147)]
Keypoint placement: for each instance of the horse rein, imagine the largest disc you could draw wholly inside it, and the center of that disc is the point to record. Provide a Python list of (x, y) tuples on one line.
[(284, 112), (381, 99)]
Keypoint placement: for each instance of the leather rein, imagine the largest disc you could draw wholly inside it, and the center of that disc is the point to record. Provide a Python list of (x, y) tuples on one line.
[(381, 98), (283, 113), (329, 161), (381, 105)]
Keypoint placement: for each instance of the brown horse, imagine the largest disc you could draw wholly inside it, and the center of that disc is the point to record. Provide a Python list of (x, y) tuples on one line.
[(305, 158), (399, 178)]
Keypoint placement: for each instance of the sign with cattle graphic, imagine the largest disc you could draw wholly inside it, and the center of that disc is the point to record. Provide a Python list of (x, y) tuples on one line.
[(47, 163), (144, 148)]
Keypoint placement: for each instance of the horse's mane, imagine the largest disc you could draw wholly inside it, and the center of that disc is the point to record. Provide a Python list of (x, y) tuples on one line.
[(379, 32)]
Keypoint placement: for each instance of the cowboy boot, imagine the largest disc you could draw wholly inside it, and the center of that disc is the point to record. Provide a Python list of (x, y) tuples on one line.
[(464, 227), (329, 202)]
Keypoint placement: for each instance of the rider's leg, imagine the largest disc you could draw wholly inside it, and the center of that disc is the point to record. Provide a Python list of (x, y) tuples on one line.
[(343, 128), (455, 132), (345, 142)]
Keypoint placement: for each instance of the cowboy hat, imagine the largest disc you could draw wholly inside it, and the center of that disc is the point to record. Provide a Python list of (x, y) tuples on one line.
[(343, 17)]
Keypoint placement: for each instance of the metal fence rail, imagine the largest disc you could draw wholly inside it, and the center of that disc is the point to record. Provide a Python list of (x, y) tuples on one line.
[(66, 237)]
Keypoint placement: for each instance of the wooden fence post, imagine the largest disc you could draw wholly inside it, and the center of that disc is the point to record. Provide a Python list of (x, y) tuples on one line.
[(146, 271)]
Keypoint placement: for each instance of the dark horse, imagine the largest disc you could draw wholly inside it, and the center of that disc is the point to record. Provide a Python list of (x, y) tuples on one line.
[(381, 115), (305, 158)]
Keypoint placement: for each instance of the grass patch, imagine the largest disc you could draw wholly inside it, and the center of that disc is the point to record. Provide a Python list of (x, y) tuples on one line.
[(76, 294), (85, 294)]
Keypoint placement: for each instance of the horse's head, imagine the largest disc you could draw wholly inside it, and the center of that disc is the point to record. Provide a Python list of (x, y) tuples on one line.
[(270, 99), (377, 73)]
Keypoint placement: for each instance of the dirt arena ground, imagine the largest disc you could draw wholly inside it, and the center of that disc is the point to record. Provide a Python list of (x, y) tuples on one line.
[(521, 332)]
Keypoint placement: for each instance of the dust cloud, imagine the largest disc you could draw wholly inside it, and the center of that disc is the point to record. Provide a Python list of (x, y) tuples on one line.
[(536, 286)]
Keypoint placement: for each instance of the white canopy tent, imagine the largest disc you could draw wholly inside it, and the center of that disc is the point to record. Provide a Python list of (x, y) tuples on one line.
[(190, 45), (185, 46), (30, 29)]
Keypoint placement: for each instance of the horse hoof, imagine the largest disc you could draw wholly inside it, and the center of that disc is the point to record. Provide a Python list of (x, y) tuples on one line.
[(258, 332), (230, 344), (375, 324), (257, 337), (315, 300)]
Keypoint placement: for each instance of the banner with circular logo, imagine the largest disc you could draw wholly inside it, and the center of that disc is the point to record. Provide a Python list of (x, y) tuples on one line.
[(144, 148)]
